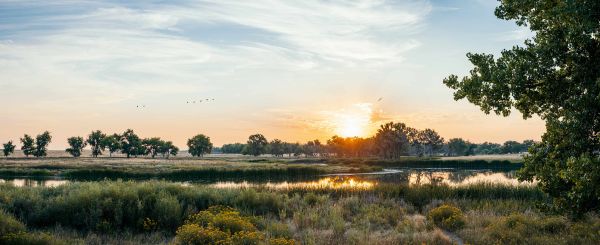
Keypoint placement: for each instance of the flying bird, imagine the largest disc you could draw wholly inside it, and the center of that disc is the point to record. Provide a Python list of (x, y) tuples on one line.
[(380, 99)]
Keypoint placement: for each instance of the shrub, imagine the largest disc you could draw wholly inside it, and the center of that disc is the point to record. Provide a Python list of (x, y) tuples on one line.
[(247, 238), (281, 241), (194, 234), (232, 222), (447, 217)]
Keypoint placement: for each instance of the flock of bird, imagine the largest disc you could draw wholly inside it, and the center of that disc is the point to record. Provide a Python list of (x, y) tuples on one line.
[(210, 100), (187, 102), (199, 101)]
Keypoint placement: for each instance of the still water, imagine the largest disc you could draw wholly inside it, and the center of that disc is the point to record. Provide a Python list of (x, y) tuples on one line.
[(410, 176)]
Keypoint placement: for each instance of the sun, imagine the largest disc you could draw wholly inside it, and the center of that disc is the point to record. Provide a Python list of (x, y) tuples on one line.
[(350, 127)]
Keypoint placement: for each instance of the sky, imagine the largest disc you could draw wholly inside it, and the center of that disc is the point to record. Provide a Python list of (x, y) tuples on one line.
[(293, 70)]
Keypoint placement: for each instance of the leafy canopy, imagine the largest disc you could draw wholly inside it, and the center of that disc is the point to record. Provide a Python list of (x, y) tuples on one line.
[(556, 76)]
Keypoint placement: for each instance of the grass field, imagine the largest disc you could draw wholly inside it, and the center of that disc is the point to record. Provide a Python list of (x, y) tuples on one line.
[(152, 212)]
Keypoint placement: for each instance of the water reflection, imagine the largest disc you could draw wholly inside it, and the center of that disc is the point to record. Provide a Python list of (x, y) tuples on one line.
[(341, 181), (324, 183), (34, 182)]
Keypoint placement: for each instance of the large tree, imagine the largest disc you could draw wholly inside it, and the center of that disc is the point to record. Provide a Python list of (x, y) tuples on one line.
[(41, 144), (276, 148), (76, 146), (8, 149), (256, 145), (555, 75), (152, 146), (96, 142), (27, 145), (112, 143), (392, 140), (199, 145), (131, 144), (431, 140), (458, 147)]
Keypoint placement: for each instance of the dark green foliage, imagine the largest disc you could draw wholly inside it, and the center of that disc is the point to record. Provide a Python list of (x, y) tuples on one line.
[(167, 148), (112, 143), (236, 148), (41, 144), (256, 145), (458, 147), (275, 148), (152, 146), (199, 145), (77, 144), (555, 76), (8, 148), (131, 144), (96, 140), (28, 145)]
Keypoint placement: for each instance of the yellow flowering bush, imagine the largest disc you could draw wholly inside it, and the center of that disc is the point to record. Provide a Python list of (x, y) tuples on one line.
[(447, 217)]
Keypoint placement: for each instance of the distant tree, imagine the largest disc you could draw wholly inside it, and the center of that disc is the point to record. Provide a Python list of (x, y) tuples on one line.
[(256, 145), (131, 144), (458, 147), (431, 140), (167, 148), (236, 148), (487, 148), (28, 145), (41, 144), (96, 140), (152, 146), (392, 140), (276, 148), (337, 145), (112, 143), (199, 145), (511, 146), (77, 144), (8, 149)]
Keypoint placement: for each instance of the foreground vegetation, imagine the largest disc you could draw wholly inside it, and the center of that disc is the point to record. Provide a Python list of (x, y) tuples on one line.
[(156, 212)]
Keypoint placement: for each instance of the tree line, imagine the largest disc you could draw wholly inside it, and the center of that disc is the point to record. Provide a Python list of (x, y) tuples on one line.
[(391, 141), (128, 143)]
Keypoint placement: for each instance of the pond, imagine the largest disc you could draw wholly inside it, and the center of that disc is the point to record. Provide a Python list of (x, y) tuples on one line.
[(410, 176)]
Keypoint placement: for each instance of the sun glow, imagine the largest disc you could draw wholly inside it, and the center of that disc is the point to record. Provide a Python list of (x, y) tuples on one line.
[(354, 122)]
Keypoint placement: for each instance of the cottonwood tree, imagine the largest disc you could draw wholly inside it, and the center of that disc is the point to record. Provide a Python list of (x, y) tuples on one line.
[(431, 140), (167, 148), (96, 140), (77, 144), (276, 148), (458, 147), (256, 145), (392, 140), (556, 76), (28, 145), (152, 146), (8, 149), (112, 143), (41, 144), (131, 144), (199, 145)]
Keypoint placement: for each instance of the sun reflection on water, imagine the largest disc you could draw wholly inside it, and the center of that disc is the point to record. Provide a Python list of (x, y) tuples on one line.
[(346, 183)]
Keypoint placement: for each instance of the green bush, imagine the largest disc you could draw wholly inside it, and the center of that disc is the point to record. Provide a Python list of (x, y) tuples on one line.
[(447, 217)]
